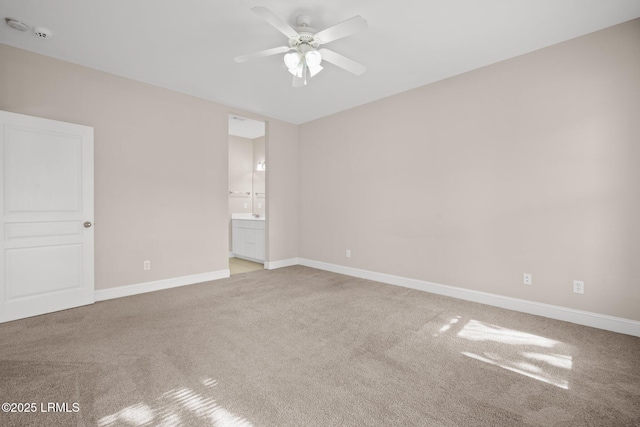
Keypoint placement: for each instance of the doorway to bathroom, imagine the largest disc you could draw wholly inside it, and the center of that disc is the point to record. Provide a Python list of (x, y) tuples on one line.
[(247, 194)]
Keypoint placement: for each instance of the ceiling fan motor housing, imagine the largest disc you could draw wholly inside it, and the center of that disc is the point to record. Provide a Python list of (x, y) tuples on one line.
[(303, 38)]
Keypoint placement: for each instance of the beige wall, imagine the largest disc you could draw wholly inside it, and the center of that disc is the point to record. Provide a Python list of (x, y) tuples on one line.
[(282, 190), (529, 165), (161, 167)]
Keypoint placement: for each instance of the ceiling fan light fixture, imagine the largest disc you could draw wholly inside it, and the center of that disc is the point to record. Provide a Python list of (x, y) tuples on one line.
[(313, 58), (292, 60), (302, 55), (314, 69), (298, 70)]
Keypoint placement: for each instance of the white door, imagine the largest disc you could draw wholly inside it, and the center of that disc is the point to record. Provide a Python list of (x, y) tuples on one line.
[(46, 206)]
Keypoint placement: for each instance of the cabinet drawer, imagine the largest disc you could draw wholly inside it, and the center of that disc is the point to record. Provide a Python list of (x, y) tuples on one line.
[(243, 223), (247, 223)]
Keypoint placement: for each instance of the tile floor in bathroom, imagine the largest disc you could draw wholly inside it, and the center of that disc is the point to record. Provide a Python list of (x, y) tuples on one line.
[(238, 265)]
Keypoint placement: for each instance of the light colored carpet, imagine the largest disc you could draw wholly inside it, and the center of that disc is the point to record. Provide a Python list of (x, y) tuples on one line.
[(239, 265), (303, 347)]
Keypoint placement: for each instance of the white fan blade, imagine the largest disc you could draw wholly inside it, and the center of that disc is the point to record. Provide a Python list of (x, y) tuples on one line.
[(262, 53), (342, 61), (274, 20), (343, 29)]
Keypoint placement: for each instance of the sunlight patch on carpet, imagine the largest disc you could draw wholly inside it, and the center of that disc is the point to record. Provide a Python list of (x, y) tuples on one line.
[(135, 415), (521, 352), (448, 326), (558, 360), (535, 375), (173, 408), (479, 331)]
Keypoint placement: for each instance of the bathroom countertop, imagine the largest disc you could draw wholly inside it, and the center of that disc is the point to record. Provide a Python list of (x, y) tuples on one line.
[(248, 216)]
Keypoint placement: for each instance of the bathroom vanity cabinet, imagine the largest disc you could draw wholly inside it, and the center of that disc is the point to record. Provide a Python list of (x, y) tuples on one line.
[(248, 239)]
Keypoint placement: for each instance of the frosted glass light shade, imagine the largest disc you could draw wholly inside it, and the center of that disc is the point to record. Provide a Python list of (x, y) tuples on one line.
[(313, 58), (314, 69), (292, 59)]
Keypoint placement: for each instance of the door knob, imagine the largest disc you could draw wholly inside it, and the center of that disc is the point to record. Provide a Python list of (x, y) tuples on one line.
[(87, 224)]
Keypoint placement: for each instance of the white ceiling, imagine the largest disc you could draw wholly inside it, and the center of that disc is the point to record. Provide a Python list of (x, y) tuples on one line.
[(189, 45), (245, 128)]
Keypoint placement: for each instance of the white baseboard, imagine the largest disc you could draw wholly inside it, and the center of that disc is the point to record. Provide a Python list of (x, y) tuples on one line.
[(281, 263), (141, 288), (595, 320), (231, 255)]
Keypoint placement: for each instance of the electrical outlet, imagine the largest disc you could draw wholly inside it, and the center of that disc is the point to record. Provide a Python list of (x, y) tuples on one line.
[(245, 205), (146, 265), (348, 254), (578, 286), (526, 279)]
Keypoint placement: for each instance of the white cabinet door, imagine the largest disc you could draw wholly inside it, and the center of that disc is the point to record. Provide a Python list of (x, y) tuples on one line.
[(237, 236), (249, 243), (248, 239), (46, 211)]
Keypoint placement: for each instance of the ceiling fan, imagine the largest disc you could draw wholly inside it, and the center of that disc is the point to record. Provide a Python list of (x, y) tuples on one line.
[(304, 55)]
